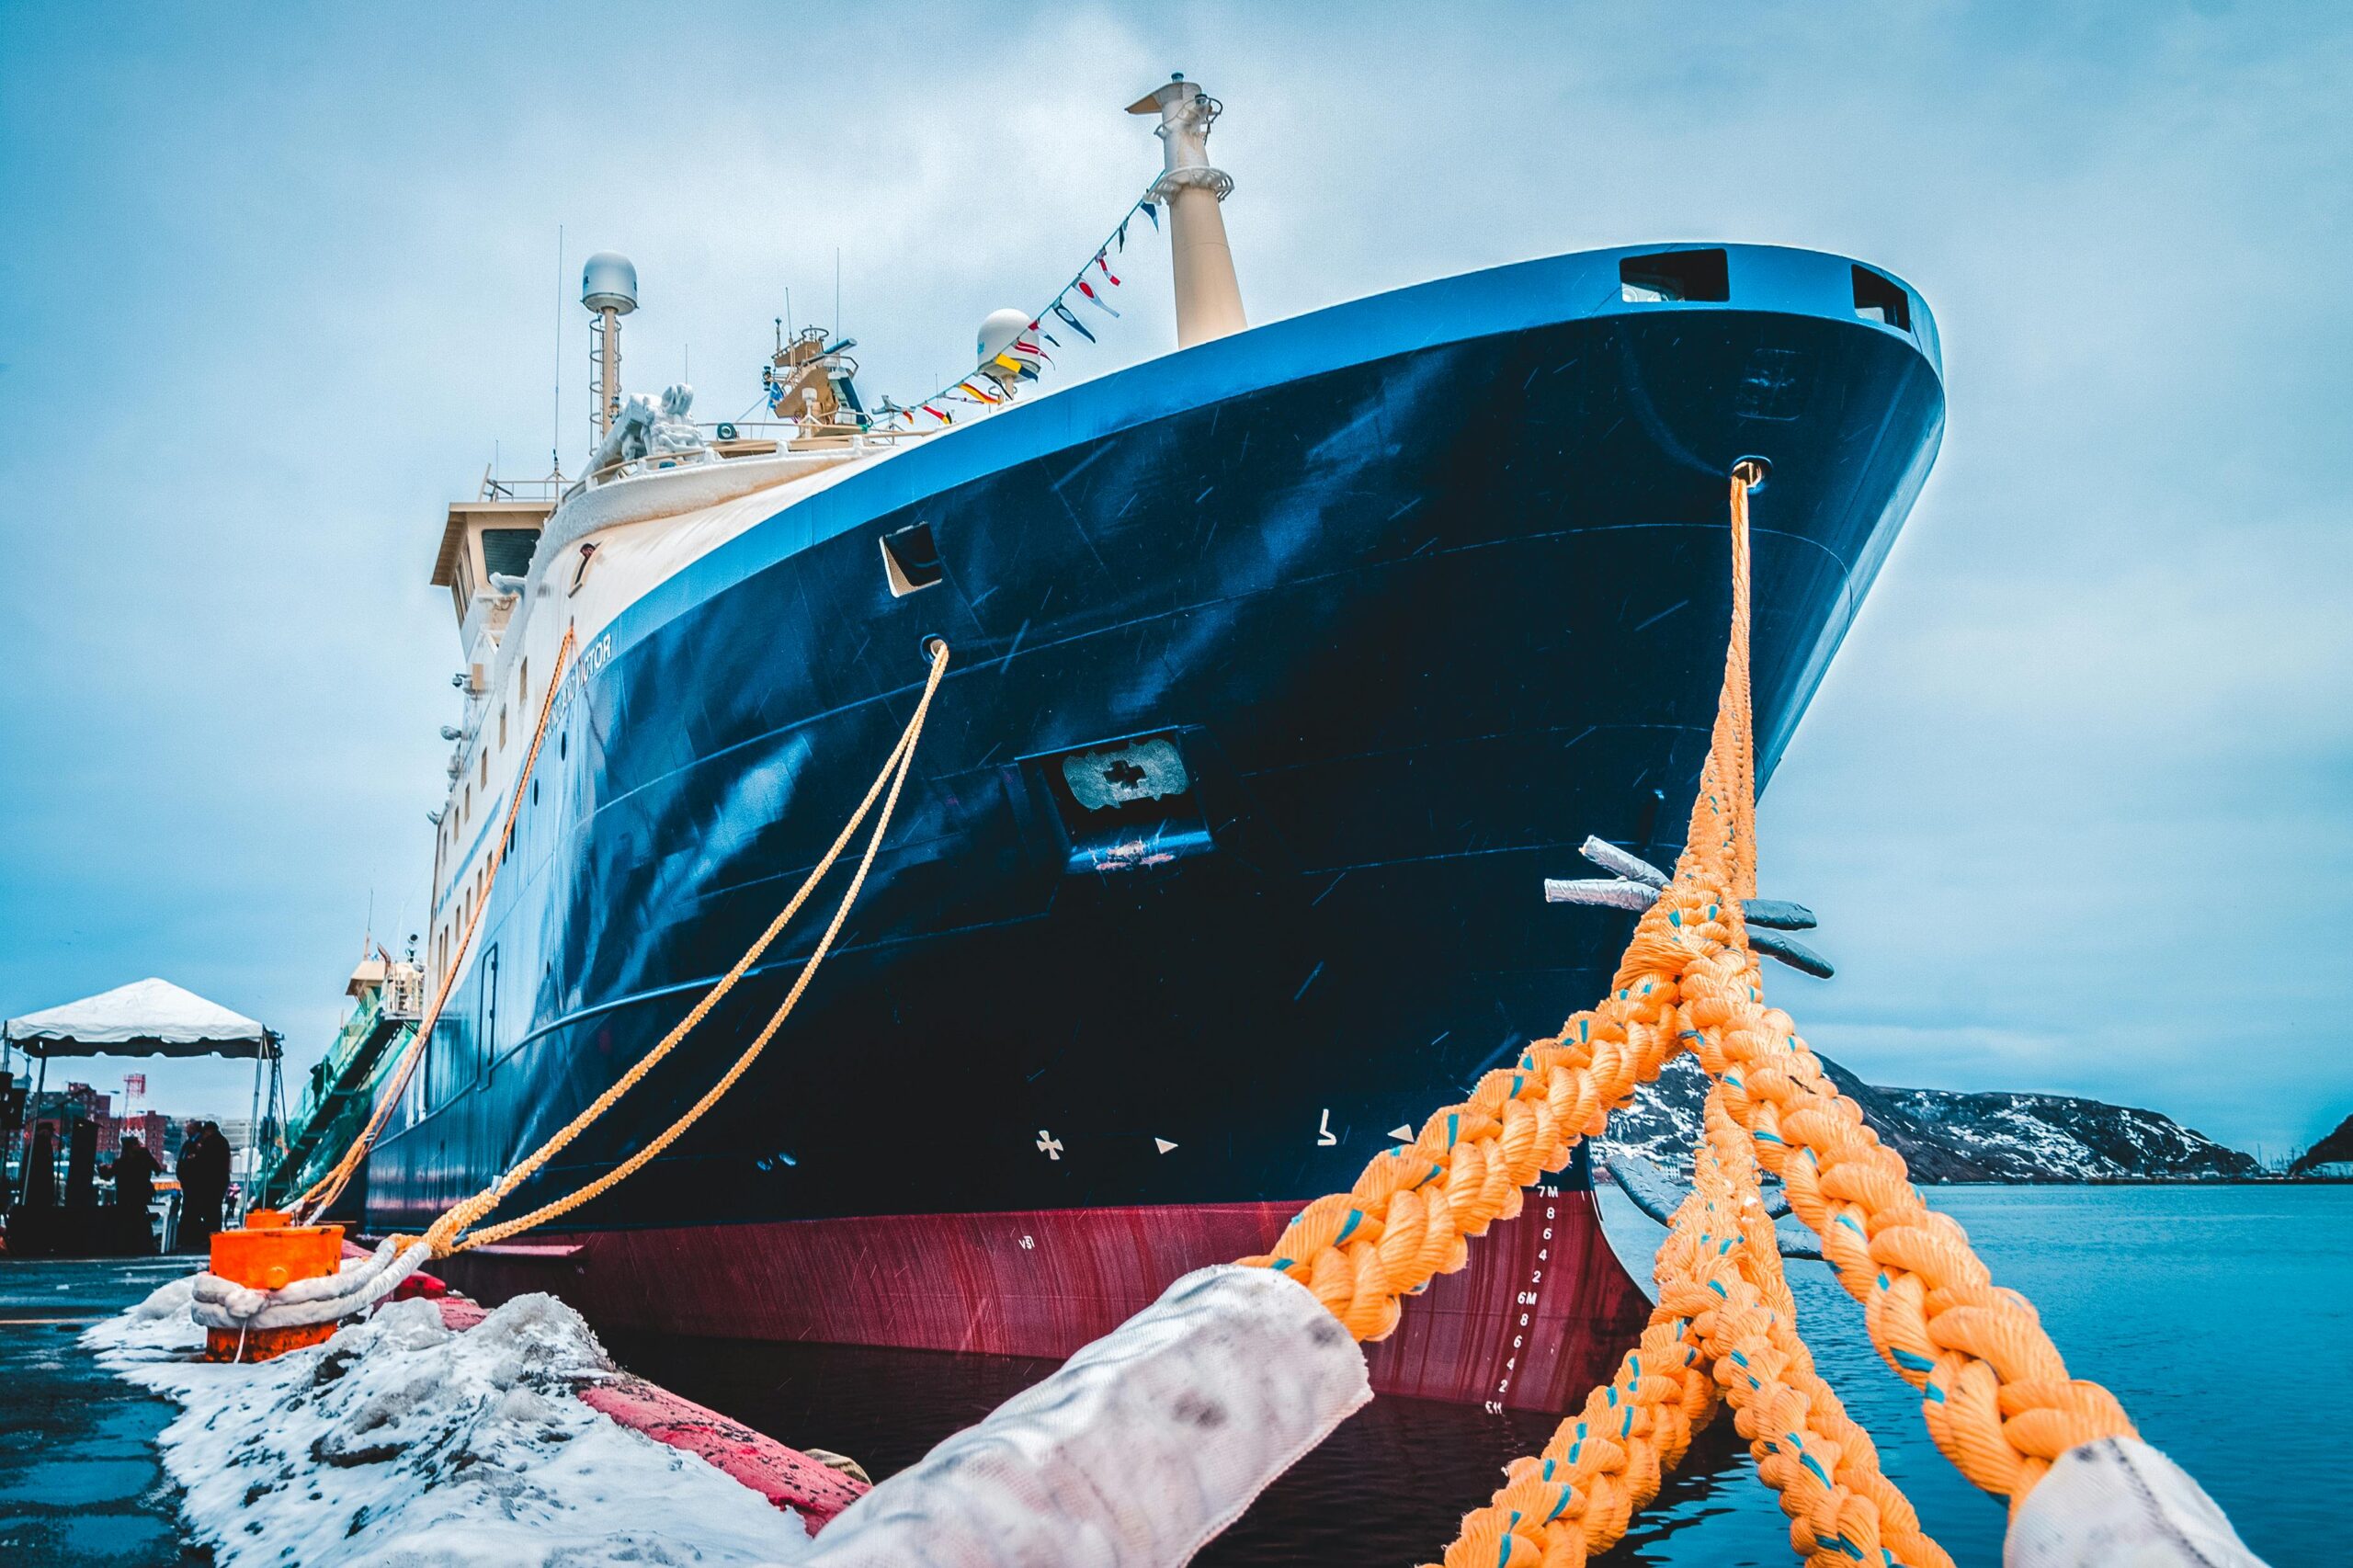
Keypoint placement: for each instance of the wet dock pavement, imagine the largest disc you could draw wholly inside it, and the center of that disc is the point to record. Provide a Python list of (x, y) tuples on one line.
[(80, 1480)]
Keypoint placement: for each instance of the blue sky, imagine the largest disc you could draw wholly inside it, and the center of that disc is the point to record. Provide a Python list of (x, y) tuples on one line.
[(278, 281)]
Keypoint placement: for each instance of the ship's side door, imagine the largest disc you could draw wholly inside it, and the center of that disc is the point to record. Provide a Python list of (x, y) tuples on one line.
[(487, 1030)]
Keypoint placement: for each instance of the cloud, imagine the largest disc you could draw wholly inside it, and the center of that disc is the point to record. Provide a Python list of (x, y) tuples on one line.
[(2071, 800)]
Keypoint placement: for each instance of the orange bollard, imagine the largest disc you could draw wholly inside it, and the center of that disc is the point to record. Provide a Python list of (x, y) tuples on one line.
[(270, 1254)]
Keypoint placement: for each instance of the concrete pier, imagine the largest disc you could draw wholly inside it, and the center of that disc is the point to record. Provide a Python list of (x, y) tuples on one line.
[(80, 1481)]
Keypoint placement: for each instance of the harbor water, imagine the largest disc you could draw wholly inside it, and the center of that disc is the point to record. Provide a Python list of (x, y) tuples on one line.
[(2187, 1301), (2208, 1310)]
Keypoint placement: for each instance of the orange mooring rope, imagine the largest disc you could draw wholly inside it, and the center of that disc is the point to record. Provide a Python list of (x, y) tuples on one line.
[(1999, 1403)]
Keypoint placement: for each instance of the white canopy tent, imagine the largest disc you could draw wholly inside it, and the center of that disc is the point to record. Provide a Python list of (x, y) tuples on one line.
[(147, 1018)]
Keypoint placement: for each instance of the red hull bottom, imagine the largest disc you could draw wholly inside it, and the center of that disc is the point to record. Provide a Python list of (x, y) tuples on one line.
[(1540, 1314)]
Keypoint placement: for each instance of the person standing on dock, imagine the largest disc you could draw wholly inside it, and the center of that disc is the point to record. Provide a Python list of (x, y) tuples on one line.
[(204, 1182), (134, 1171)]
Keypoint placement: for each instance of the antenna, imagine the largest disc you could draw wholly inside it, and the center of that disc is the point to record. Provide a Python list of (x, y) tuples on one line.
[(555, 425), (837, 290)]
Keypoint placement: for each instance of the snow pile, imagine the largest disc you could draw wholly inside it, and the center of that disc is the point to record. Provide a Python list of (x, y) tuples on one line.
[(399, 1442)]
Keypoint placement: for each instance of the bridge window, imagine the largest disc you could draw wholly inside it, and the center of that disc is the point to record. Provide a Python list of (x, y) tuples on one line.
[(509, 551)]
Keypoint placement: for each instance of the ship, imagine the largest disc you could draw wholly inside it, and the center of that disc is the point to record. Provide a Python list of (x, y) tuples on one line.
[(1285, 666)]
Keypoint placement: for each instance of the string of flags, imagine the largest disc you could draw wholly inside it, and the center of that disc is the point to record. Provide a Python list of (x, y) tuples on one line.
[(991, 382)]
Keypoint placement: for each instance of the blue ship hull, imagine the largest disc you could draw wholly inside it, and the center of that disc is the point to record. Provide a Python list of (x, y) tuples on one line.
[(1417, 593)]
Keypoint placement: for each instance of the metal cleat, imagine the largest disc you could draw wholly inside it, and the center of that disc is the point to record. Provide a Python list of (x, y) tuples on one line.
[(1776, 913), (1792, 951), (1609, 858), (1613, 892), (1637, 886)]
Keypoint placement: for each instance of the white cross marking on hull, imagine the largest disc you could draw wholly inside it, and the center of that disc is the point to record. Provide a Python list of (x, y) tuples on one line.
[(1049, 1145)]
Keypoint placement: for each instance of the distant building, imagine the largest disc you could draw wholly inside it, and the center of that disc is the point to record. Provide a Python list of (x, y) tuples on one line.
[(60, 1108), (159, 1132), (152, 1128)]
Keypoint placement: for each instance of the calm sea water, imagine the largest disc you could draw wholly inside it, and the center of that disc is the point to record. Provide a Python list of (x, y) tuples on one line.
[(2222, 1316)]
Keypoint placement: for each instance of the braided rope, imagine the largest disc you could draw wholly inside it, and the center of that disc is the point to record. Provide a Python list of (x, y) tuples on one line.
[(1841, 1506), (1999, 1404), (453, 1231), (1998, 1401), (1725, 1326), (320, 1195)]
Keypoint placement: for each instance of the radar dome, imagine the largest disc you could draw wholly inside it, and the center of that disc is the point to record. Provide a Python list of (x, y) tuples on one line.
[(999, 330), (609, 282)]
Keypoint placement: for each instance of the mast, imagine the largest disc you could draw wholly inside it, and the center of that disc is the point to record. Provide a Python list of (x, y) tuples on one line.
[(1208, 297)]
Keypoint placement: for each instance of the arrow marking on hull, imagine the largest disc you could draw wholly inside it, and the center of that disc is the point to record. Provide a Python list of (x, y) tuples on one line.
[(1163, 1144)]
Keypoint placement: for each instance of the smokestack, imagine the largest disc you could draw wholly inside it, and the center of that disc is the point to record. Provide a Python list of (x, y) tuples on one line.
[(1208, 297)]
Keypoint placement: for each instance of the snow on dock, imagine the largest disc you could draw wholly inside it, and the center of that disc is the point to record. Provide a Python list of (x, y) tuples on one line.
[(403, 1442)]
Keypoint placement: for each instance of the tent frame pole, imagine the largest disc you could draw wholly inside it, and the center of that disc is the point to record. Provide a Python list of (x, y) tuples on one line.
[(253, 1127), (32, 1115)]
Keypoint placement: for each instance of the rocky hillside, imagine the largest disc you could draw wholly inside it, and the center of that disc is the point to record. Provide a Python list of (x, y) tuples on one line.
[(2332, 1156), (1945, 1136)]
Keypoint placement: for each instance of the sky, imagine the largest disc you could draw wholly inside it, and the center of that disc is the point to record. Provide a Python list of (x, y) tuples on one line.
[(281, 282)]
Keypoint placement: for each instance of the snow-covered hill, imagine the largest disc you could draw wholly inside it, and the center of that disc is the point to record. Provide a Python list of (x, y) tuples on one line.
[(1945, 1136), (2331, 1158)]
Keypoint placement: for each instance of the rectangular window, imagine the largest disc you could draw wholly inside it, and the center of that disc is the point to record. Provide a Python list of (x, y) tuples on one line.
[(1881, 300), (911, 559), (502, 726), (507, 551), (1674, 275)]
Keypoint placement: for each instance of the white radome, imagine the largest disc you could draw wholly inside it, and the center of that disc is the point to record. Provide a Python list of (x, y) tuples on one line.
[(998, 331), (610, 281)]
